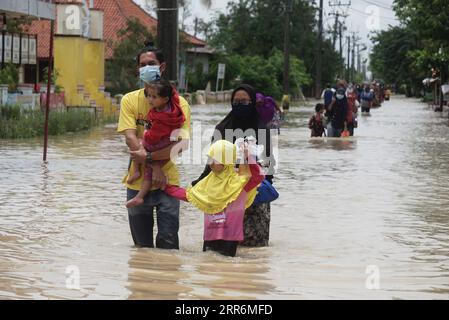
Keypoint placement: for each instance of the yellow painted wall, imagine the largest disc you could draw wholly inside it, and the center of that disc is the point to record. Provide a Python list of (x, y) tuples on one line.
[(93, 56), (81, 62), (69, 62)]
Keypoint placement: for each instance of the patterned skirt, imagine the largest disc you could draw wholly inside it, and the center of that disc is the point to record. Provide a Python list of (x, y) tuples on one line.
[(256, 225)]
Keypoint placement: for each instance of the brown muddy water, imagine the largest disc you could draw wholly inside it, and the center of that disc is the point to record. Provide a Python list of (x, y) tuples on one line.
[(365, 218)]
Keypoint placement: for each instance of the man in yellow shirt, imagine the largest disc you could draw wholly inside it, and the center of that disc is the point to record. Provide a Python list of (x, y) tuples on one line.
[(132, 122)]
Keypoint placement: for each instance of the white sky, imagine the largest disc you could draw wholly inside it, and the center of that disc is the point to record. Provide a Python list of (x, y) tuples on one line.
[(358, 19)]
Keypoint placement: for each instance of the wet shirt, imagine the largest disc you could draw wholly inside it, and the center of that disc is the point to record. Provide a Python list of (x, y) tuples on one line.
[(339, 113), (328, 95), (133, 112), (316, 125)]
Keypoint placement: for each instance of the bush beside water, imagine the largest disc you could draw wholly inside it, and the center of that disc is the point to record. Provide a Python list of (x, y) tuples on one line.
[(16, 122)]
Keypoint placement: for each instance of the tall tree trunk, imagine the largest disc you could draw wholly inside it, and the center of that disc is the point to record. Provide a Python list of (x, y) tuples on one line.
[(168, 36), (287, 46)]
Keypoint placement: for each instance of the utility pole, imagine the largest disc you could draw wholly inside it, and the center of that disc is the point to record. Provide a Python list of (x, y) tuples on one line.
[(287, 46), (340, 32), (319, 54), (341, 29), (349, 56), (167, 36), (355, 40), (358, 58), (353, 57), (195, 35), (337, 5), (338, 27), (334, 39)]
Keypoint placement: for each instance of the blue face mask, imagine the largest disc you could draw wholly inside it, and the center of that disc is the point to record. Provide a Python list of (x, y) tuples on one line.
[(149, 74), (242, 110)]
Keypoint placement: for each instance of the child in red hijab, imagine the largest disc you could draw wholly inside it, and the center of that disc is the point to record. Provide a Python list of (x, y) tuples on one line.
[(164, 118)]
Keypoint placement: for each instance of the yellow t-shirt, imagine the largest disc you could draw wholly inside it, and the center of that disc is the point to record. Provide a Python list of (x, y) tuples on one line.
[(133, 111)]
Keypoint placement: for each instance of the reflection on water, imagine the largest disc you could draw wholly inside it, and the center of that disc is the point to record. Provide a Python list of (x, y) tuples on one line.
[(377, 201)]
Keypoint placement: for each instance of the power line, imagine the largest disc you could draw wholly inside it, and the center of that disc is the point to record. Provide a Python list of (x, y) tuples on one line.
[(367, 14), (379, 4)]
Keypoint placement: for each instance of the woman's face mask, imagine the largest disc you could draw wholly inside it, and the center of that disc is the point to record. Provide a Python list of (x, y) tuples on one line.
[(242, 109), (242, 105), (340, 96)]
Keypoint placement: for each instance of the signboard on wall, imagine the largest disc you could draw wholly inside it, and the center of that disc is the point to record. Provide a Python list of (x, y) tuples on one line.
[(24, 50), (16, 49), (32, 50), (8, 48)]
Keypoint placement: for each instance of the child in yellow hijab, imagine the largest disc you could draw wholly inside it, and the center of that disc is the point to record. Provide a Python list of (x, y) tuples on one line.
[(223, 196)]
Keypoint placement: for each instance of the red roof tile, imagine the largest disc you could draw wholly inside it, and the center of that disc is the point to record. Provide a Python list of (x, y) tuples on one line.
[(116, 15)]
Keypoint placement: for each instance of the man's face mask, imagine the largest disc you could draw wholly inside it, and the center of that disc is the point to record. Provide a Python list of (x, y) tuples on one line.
[(149, 74), (340, 96)]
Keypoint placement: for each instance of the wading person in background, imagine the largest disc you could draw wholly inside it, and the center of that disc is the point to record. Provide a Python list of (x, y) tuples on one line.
[(353, 108), (285, 105), (134, 108), (242, 122), (316, 122), (366, 99), (328, 96), (338, 111)]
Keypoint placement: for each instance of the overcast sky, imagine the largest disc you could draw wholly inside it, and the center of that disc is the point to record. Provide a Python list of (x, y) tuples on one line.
[(363, 17)]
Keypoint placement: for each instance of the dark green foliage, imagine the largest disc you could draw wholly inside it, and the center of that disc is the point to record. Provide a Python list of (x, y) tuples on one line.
[(254, 31), (406, 54), (121, 70)]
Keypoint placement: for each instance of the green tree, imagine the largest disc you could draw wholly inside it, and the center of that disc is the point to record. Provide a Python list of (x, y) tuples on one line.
[(392, 58), (405, 55), (121, 71), (255, 27), (10, 75), (264, 74), (429, 22)]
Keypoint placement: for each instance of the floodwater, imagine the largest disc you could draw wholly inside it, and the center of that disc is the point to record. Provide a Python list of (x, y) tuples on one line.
[(365, 218)]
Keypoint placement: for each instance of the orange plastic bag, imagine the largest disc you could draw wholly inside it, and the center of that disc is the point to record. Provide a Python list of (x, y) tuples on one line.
[(345, 133)]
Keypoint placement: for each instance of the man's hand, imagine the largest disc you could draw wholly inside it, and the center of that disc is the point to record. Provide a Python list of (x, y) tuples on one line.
[(139, 156), (159, 178)]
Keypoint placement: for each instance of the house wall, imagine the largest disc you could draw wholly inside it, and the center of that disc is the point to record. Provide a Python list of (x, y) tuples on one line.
[(69, 62), (80, 63), (200, 58)]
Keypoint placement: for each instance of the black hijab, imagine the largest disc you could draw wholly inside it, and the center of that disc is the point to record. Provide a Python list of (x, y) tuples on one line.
[(233, 122)]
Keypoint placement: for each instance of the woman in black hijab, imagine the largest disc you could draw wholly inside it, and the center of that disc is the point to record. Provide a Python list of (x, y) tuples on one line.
[(243, 121)]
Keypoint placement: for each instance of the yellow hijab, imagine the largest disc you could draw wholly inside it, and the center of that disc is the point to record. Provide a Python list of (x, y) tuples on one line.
[(215, 192)]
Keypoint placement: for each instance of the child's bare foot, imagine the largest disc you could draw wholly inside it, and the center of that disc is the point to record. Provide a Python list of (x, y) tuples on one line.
[(133, 178), (135, 202)]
